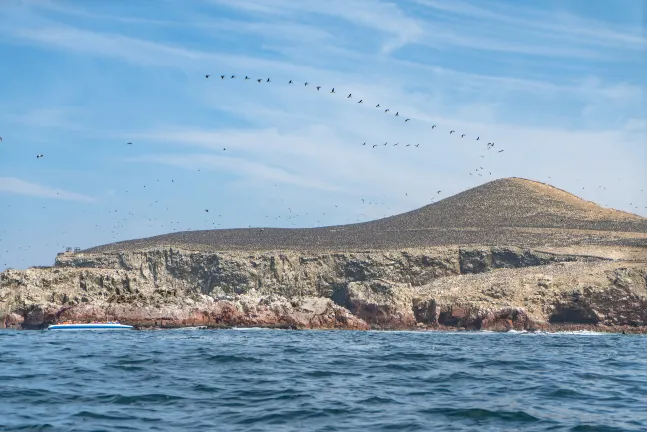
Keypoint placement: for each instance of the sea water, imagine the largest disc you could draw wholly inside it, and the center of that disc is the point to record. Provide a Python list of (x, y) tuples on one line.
[(281, 380)]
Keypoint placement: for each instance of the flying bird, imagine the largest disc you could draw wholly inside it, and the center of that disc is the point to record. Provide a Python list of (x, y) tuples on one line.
[(463, 136), (233, 76), (387, 110), (318, 87), (246, 77), (433, 126), (290, 82), (333, 90), (206, 76), (477, 138), (129, 143), (500, 151), (406, 120), (349, 95), (360, 101), (377, 106), (39, 156), (451, 132), (222, 77), (364, 144), (259, 80), (397, 113), (306, 83), (439, 191), (268, 80), (374, 145)]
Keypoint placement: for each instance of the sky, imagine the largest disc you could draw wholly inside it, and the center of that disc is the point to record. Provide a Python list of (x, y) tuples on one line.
[(558, 85)]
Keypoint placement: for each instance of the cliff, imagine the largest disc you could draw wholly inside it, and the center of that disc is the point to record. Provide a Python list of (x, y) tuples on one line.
[(597, 278)]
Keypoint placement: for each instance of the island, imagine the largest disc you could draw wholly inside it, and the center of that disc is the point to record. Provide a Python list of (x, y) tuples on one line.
[(511, 254)]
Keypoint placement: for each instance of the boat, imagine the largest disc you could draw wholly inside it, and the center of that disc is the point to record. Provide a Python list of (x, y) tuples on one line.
[(90, 326)]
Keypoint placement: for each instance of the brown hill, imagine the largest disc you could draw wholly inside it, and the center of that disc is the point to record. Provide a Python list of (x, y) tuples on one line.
[(511, 211)]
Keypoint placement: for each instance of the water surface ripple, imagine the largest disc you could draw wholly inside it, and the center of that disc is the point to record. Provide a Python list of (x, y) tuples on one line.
[(268, 380)]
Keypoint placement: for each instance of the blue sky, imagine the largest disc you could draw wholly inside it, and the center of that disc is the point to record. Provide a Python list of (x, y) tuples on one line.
[(560, 85)]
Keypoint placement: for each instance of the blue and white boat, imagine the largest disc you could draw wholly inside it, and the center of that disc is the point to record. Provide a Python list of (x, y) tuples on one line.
[(90, 326)]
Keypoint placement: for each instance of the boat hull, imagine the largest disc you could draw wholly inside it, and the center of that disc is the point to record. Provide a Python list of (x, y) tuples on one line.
[(89, 327)]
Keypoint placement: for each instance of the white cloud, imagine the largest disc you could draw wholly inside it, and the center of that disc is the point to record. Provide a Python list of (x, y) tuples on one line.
[(16, 186)]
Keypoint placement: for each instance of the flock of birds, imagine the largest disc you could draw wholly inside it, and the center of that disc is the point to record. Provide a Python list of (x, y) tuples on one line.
[(490, 145)]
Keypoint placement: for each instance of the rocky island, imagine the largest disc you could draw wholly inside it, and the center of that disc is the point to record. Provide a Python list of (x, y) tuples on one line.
[(509, 254)]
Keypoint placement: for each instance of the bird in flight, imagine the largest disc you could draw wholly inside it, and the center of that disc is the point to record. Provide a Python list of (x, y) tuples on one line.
[(406, 120), (500, 151), (463, 136), (318, 88), (290, 82), (451, 132), (306, 83), (206, 76), (397, 113), (374, 145), (268, 80), (129, 143), (222, 77), (377, 106), (364, 143), (360, 101), (259, 80), (246, 77), (39, 156), (349, 95), (433, 126), (333, 90), (387, 110)]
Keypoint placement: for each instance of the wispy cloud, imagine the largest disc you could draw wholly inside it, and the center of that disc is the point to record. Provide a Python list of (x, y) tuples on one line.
[(542, 32), (12, 185)]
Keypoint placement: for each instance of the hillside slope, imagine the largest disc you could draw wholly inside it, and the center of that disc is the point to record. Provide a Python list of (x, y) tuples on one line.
[(511, 211)]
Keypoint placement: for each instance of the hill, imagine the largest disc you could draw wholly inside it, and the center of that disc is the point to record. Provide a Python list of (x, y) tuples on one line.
[(510, 211)]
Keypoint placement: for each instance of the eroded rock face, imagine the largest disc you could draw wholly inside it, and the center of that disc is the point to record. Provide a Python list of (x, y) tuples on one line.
[(471, 288)]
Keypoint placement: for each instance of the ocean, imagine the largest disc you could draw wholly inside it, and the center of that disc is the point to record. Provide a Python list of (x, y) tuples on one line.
[(282, 380)]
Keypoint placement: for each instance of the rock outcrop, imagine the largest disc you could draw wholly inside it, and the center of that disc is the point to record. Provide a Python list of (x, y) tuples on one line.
[(493, 288)]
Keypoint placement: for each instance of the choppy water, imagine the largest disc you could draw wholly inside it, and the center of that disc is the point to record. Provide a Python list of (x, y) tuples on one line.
[(268, 380)]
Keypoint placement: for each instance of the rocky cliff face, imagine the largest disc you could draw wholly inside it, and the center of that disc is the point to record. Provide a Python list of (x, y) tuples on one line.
[(452, 287)]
